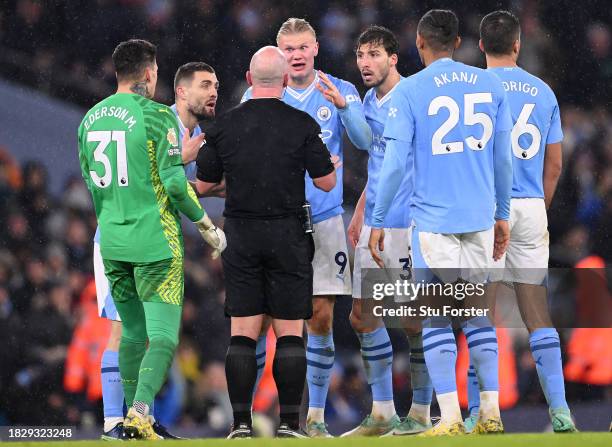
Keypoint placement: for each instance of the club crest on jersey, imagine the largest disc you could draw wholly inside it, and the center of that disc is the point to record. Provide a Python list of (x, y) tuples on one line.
[(324, 113), (171, 137)]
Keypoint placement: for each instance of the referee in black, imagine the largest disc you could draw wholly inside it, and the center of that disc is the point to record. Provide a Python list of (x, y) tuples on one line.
[(264, 147)]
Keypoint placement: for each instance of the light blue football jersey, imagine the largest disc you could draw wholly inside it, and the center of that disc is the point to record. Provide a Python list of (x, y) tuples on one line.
[(376, 112), (448, 115), (535, 114), (324, 205), (190, 168)]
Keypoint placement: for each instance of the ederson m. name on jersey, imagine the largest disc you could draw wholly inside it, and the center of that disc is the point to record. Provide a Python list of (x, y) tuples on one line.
[(324, 204)]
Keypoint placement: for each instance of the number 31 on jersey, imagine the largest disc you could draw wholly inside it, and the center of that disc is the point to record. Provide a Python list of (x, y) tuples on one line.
[(103, 138)]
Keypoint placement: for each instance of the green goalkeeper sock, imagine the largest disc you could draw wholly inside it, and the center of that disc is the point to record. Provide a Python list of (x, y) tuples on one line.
[(130, 357), (163, 322), (132, 346)]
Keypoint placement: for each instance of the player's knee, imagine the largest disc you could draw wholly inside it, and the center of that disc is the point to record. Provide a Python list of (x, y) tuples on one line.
[(134, 333), (356, 319), (163, 343), (115, 336), (322, 318)]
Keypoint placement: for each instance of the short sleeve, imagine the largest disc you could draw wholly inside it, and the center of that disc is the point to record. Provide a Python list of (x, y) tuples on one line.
[(555, 133), (400, 119), (316, 155), (209, 165)]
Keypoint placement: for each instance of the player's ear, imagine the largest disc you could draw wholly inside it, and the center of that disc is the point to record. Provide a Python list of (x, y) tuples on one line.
[(420, 42), (480, 45), (285, 80), (516, 48), (457, 42), (249, 79), (316, 48), (393, 59)]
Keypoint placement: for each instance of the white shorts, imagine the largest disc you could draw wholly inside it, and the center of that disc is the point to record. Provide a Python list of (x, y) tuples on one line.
[(332, 270), (452, 256), (526, 259), (396, 255), (106, 305)]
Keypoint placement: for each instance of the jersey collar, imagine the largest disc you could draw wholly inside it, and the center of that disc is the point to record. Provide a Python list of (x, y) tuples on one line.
[(182, 128), (302, 95), (380, 102)]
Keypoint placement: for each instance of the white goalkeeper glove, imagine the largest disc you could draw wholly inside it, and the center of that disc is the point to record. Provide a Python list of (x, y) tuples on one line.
[(214, 236)]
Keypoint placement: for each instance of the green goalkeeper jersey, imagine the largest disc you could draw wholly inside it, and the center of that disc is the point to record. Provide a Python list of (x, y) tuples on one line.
[(130, 157)]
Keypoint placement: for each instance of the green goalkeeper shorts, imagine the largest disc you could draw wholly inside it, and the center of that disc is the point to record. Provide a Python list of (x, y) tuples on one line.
[(154, 282)]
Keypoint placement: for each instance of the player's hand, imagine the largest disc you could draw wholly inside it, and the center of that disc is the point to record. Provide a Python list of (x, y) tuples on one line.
[(376, 244), (330, 91), (214, 236), (335, 159), (502, 238), (191, 147), (354, 228)]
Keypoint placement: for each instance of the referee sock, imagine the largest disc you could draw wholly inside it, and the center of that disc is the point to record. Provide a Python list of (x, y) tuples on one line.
[(377, 355), (289, 371), (260, 357), (241, 372), (320, 355), (422, 388), (112, 390)]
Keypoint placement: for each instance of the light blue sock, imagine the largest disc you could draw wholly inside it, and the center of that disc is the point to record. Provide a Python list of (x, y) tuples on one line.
[(377, 355), (482, 344), (473, 391), (260, 358), (440, 351), (319, 361), (546, 351), (422, 388), (112, 390)]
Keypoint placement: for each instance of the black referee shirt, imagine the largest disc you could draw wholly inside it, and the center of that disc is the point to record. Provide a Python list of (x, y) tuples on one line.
[(264, 147)]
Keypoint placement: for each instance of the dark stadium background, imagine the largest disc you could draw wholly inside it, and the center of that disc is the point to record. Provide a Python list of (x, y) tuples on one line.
[(55, 63)]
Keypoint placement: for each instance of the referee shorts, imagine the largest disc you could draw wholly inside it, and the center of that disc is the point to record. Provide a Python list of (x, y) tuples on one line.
[(268, 270)]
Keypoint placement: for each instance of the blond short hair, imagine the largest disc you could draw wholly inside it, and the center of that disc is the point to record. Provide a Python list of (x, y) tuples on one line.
[(295, 26)]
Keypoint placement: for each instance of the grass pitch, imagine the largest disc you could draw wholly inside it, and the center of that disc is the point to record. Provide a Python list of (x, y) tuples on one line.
[(514, 440)]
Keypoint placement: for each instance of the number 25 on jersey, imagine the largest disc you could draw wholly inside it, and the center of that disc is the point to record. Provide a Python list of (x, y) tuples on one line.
[(470, 118)]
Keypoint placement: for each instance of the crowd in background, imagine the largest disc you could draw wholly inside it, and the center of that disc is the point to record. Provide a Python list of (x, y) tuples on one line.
[(63, 48)]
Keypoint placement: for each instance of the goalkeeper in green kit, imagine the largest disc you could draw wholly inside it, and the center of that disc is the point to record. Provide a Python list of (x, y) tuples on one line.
[(130, 159)]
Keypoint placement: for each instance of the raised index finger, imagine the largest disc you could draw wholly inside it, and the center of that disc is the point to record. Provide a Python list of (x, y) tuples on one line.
[(325, 79)]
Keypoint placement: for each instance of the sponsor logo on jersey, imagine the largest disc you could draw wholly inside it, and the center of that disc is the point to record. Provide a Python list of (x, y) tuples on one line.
[(324, 113), (171, 137)]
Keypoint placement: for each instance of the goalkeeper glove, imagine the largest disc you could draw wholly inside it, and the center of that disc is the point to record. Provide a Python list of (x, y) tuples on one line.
[(214, 236)]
